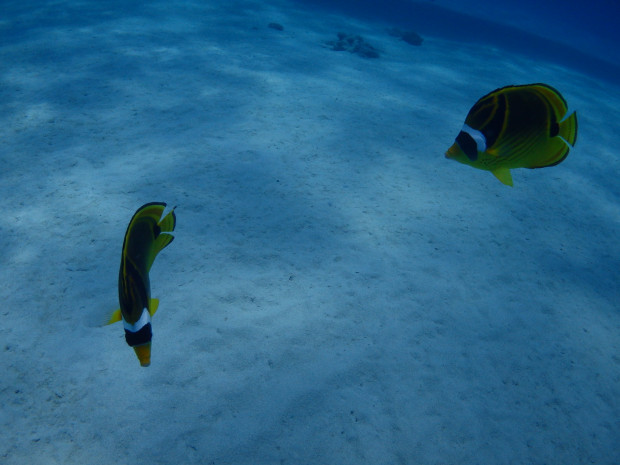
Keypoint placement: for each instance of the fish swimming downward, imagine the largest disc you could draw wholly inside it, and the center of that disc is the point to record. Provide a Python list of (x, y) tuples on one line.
[(147, 234), (525, 126)]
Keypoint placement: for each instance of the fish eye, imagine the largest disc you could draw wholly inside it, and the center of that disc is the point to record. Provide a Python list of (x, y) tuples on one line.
[(468, 145)]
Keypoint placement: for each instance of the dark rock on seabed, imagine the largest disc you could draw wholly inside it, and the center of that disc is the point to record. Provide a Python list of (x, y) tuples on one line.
[(354, 44), (411, 37)]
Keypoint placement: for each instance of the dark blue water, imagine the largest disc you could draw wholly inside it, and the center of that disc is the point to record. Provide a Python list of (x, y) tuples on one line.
[(582, 35), (338, 291)]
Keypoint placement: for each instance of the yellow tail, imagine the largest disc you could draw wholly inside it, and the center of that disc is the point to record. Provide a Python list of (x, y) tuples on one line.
[(568, 129), (166, 225), (162, 227)]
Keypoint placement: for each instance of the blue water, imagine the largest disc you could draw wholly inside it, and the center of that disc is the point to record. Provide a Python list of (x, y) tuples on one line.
[(337, 291), (574, 33), (577, 34)]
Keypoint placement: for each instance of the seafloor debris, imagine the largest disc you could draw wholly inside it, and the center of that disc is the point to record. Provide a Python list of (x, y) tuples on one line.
[(354, 44), (410, 37), (276, 26)]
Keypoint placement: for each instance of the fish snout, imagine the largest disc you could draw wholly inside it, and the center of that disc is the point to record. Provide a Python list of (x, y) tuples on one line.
[(143, 351), (453, 151)]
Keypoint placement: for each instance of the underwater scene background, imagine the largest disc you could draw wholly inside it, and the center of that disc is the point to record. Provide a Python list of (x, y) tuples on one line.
[(337, 290)]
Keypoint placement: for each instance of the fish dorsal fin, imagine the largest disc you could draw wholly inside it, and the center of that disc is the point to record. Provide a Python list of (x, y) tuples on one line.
[(148, 232), (556, 100), (503, 174), (153, 305), (116, 316), (568, 124)]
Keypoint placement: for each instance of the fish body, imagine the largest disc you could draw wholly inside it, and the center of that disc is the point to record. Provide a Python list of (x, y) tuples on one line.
[(525, 126), (147, 234)]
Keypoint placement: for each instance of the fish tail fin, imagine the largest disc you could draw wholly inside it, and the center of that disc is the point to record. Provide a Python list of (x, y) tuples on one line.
[(166, 225), (153, 304), (568, 129), (163, 229), (168, 222), (567, 124)]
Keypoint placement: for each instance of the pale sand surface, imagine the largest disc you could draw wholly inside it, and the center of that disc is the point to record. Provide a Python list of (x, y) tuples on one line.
[(337, 292)]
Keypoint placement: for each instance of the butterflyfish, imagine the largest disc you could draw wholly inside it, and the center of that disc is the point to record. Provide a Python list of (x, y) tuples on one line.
[(147, 234), (525, 126)]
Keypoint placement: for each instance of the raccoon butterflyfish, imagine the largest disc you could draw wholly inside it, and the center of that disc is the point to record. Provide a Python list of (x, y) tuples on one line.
[(524, 126), (147, 234)]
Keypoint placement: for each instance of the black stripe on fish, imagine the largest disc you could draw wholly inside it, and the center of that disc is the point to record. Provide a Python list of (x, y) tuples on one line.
[(554, 129), (144, 335), (494, 129), (467, 145)]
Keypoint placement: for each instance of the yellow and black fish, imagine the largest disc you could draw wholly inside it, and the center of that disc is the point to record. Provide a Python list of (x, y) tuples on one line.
[(147, 234), (516, 127)]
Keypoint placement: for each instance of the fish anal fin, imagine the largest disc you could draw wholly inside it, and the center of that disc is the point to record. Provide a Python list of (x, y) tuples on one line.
[(116, 316), (153, 305), (503, 174)]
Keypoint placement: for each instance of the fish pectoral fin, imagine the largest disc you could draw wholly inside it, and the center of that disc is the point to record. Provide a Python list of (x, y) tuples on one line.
[(503, 174), (116, 316), (153, 304)]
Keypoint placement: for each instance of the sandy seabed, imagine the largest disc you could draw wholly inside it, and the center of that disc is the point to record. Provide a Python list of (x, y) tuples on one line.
[(337, 292)]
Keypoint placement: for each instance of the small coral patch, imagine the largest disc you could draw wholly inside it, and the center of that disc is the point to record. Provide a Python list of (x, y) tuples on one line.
[(411, 37), (354, 44)]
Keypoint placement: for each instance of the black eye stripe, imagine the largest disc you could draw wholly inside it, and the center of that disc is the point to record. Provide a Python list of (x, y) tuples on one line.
[(144, 335), (467, 145)]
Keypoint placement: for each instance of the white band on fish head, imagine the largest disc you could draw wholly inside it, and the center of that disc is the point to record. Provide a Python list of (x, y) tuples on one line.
[(477, 136), (145, 319)]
